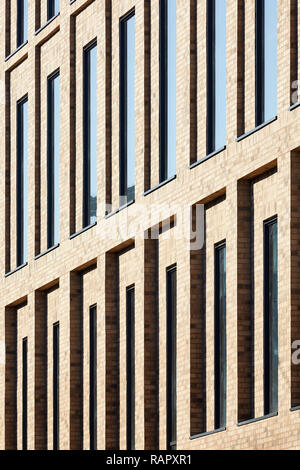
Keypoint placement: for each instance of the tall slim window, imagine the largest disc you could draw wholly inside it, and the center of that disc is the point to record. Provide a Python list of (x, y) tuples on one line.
[(270, 318), (220, 336), (53, 159), (22, 22), (216, 75), (266, 60), (52, 8), (22, 181), (56, 386), (168, 43), (127, 111), (130, 368), (90, 135), (93, 377), (24, 392), (294, 51), (171, 359)]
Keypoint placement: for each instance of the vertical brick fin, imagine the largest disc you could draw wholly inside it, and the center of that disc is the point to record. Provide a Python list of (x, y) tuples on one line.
[(293, 47), (112, 352), (151, 344), (76, 366), (108, 104), (295, 272), (193, 82), (197, 341), (40, 371), (37, 171), (7, 27), (11, 378), (37, 14), (244, 302), (7, 173), (147, 90), (241, 68), (72, 202)]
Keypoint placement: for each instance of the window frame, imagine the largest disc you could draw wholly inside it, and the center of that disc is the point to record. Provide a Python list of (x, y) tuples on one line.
[(220, 357), (212, 145), (260, 58), (22, 34), (270, 329), (51, 159), (171, 350), (56, 384), (93, 377), (86, 203), (25, 393), (130, 367), (123, 158), (20, 167), (260, 61), (163, 92), (51, 13)]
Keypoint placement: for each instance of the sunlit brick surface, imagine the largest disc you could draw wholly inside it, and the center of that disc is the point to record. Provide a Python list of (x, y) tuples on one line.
[(247, 183)]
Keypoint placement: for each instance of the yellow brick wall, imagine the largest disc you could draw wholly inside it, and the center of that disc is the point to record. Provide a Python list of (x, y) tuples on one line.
[(91, 268)]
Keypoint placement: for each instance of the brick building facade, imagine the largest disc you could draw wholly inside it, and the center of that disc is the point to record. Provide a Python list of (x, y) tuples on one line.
[(253, 179)]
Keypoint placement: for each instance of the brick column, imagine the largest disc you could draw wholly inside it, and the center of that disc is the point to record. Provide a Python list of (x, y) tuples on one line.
[(40, 370), (112, 351), (11, 378), (244, 301)]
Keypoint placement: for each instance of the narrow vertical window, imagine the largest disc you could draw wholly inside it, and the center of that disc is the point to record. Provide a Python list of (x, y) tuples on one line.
[(220, 336), (22, 181), (270, 318), (53, 159), (90, 135), (168, 43), (93, 377), (56, 386), (216, 75), (130, 367), (171, 359), (294, 51), (22, 22), (52, 8), (127, 111), (266, 60), (24, 392)]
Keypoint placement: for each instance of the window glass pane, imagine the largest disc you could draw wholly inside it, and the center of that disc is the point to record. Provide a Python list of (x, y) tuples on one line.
[(127, 111), (220, 74), (93, 378), (220, 337), (22, 182), (24, 393), (90, 136), (171, 107), (22, 21), (25, 181), (171, 359), (53, 8), (130, 54), (56, 159), (53, 159), (270, 64), (93, 136), (25, 20), (271, 318), (130, 369), (56, 386)]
